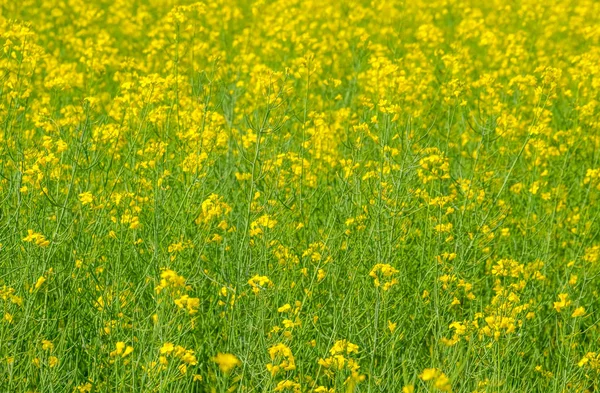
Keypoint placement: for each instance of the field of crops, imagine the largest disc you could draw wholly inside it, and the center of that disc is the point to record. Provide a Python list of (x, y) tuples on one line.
[(303, 196)]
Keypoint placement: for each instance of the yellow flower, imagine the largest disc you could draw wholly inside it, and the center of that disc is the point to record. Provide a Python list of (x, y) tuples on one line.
[(563, 302), (167, 348), (259, 282), (385, 272), (86, 198), (392, 326), (121, 349), (169, 279), (428, 374), (84, 388), (321, 274), (40, 281), (127, 351), (190, 304), (442, 383), (188, 357), (439, 379), (47, 345), (52, 361), (226, 362), (37, 238), (591, 360), (283, 352), (265, 221), (579, 311)]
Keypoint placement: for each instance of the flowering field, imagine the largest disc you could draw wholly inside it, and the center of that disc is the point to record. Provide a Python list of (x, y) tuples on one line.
[(299, 196)]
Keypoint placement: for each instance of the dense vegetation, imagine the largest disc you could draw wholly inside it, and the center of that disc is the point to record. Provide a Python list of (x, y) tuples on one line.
[(299, 196)]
